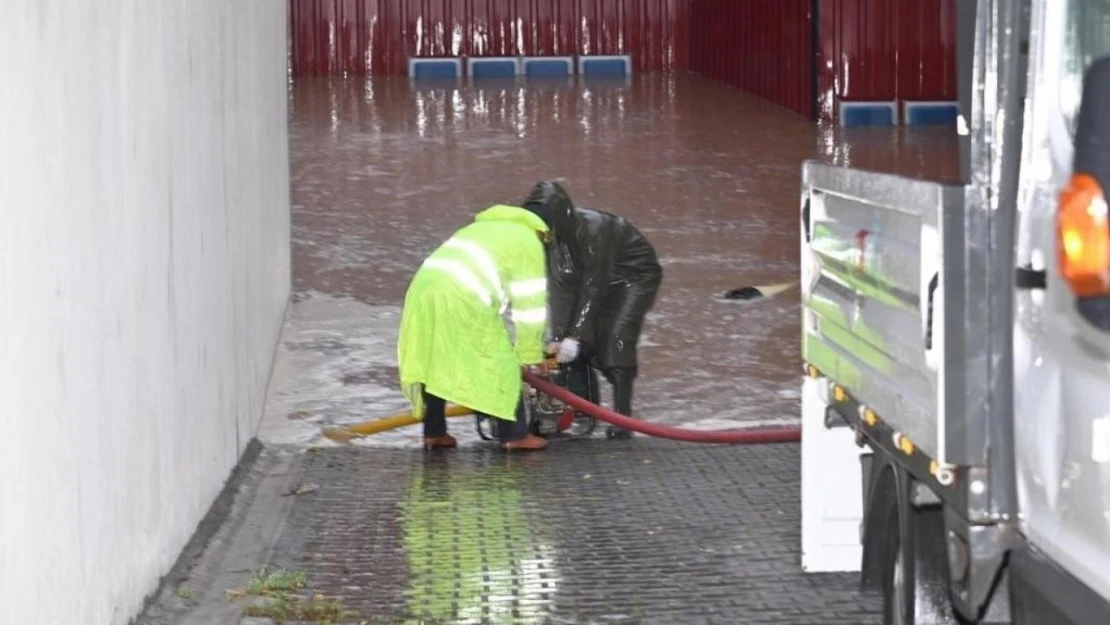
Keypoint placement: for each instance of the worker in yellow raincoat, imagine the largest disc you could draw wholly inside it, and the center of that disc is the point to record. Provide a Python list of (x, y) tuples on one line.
[(474, 316)]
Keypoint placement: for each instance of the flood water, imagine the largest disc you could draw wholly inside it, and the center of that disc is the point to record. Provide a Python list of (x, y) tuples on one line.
[(384, 170)]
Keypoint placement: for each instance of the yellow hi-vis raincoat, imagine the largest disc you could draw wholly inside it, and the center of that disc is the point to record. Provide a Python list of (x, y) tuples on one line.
[(454, 340)]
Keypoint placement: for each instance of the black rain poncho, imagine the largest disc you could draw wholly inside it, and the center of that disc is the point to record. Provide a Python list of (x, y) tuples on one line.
[(603, 276)]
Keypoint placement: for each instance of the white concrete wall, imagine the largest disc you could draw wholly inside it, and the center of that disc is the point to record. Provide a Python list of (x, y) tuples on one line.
[(144, 272)]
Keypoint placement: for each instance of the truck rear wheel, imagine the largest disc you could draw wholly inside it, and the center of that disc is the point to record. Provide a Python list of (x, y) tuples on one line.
[(896, 596), (915, 573)]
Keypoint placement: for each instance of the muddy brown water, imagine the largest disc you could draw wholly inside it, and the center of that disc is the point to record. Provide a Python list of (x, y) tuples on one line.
[(384, 170)]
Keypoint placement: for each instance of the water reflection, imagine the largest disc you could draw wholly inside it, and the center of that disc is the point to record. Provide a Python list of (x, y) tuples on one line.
[(928, 152), (474, 555), (601, 104)]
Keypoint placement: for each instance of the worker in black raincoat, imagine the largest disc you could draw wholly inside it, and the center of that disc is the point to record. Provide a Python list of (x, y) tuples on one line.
[(602, 279)]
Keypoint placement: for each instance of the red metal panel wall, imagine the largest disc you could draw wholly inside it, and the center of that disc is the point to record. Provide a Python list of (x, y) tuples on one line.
[(927, 50), (885, 50), (377, 36), (764, 48)]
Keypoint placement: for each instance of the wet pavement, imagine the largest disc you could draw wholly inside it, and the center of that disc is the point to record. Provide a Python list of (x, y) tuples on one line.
[(593, 532), (637, 531)]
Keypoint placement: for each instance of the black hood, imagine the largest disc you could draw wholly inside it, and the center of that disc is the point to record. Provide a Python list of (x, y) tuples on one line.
[(551, 202)]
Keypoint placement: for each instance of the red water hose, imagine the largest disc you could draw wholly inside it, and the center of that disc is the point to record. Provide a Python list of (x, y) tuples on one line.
[(752, 436)]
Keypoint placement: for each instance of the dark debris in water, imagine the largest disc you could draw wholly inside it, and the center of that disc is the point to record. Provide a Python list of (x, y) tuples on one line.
[(744, 293)]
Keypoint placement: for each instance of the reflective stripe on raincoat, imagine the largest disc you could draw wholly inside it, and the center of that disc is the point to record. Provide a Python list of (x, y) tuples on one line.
[(454, 340)]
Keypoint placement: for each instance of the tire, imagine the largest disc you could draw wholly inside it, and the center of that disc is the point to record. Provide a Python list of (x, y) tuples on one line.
[(915, 573), (895, 592)]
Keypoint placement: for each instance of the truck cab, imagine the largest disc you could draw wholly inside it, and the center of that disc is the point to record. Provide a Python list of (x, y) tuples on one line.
[(956, 339)]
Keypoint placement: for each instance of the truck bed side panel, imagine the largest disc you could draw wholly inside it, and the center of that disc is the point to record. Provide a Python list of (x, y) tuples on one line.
[(878, 239)]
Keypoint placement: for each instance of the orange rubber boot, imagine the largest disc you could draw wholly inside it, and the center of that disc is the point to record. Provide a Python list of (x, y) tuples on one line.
[(440, 442), (530, 442)]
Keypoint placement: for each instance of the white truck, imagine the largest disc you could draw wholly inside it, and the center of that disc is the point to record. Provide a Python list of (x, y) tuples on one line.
[(956, 409)]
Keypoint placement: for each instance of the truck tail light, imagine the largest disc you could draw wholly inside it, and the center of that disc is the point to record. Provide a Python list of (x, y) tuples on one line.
[(1083, 237)]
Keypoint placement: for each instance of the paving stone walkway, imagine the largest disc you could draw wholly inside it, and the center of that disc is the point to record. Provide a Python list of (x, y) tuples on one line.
[(588, 532)]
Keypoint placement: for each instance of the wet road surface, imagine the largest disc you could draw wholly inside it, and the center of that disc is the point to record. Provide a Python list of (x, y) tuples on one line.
[(590, 531), (640, 532)]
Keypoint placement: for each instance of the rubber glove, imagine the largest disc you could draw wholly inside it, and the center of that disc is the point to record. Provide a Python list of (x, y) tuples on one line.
[(568, 351)]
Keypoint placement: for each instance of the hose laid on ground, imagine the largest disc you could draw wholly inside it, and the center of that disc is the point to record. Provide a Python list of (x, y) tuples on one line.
[(358, 430), (753, 436)]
